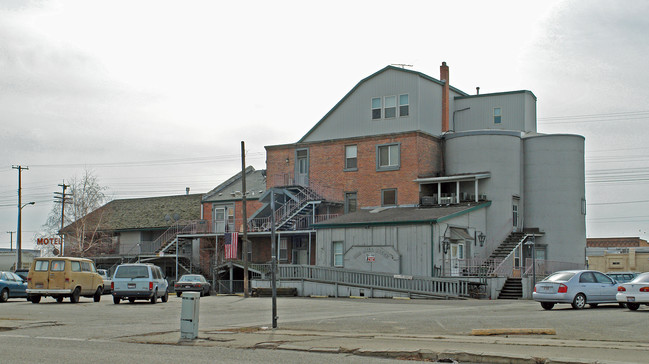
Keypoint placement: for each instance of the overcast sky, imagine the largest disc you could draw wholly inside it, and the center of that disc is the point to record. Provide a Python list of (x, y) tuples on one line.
[(156, 96)]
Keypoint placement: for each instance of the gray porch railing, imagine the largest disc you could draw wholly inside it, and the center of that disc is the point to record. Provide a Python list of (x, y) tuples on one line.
[(425, 286)]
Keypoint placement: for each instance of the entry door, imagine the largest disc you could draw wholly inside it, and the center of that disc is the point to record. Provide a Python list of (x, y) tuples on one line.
[(302, 167), (457, 257), (219, 219)]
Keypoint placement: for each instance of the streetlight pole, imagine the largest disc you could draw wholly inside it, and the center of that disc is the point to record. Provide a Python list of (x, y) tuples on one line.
[(19, 260), (20, 207)]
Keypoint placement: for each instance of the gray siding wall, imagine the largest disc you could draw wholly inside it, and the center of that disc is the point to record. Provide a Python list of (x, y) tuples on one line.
[(554, 189), (501, 155), (128, 242), (518, 112), (412, 242), (353, 117)]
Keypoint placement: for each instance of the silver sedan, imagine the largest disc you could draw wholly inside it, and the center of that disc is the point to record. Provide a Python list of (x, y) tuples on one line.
[(577, 287)]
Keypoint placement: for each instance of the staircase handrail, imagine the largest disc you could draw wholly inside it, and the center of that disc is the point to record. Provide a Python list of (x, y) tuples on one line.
[(419, 285), (497, 270)]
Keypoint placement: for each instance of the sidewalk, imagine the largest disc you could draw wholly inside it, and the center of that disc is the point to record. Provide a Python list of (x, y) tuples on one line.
[(529, 349)]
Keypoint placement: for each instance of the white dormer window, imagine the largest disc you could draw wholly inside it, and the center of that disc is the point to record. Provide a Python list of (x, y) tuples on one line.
[(376, 108), (498, 115), (404, 105), (390, 107)]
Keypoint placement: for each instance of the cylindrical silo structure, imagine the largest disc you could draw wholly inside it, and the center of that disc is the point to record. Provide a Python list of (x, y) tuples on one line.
[(555, 195)]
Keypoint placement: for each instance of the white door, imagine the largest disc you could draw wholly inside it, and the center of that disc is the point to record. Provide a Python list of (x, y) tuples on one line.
[(302, 167), (457, 257)]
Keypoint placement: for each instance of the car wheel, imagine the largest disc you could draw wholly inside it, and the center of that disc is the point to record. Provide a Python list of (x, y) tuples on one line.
[(36, 299), (208, 292), (116, 299), (165, 297), (579, 302), (59, 299), (178, 294), (131, 300), (633, 306), (97, 296), (547, 305), (4, 295), (75, 295), (154, 298)]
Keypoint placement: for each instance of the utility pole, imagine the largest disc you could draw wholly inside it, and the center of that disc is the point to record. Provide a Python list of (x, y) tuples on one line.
[(11, 240), (273, 255), (19, 253), (62, 198), (246, 244)]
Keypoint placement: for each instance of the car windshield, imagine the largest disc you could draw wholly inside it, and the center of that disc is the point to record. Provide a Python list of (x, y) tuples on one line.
[(190, 279), (560, 277), (133, 271), (642, 278)]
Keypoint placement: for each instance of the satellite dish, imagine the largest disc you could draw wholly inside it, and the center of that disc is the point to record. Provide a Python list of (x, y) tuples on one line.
[(176, 217), (167, 217)]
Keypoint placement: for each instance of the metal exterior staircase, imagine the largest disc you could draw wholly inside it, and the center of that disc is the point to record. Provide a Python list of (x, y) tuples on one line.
[(512, 290)]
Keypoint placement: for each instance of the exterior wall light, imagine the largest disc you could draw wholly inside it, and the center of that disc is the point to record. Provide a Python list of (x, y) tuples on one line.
[(446, 244), (481, 238)]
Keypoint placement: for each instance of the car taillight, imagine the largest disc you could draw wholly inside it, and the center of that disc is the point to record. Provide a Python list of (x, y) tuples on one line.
[(644, 289), (535, 289), (621, 289), (562, 288), (112, 286), (150, 286), (29, 279), (67, 280), (176, 285)]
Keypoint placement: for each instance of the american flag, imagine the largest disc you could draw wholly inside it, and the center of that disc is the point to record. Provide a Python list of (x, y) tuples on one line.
[(231, 245)]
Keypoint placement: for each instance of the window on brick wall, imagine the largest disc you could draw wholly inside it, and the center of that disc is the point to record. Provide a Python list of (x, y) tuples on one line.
[(387, 157), (389, 197), (351, 201), (351, 160), (283, 249)]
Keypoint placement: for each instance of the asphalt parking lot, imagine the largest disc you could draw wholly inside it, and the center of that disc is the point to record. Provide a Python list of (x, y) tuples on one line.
[(606, 333)]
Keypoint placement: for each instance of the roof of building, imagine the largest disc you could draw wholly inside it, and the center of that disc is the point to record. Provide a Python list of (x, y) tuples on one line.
[(622, 242), (422, 75), (143, 213), (231, 189), (402, 215)]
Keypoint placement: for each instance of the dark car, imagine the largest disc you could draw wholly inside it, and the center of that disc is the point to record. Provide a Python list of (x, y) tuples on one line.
[(22, 273), (12, 286), (192, 283)]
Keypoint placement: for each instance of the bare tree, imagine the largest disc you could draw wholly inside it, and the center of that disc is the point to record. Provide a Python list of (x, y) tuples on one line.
[(84, 218)]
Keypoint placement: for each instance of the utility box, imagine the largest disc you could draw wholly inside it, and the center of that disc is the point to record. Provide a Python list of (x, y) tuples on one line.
[(189, 316)]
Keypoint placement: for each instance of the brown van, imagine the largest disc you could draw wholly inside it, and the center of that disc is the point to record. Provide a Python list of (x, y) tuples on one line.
[(61, 277)]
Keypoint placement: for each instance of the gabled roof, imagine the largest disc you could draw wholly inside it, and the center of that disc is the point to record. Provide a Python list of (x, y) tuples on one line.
[(401, 215), (150, 213), (231, 189), (422, 75)]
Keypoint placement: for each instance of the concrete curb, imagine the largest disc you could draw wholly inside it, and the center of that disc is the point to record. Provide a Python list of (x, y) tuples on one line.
[(528, 331)]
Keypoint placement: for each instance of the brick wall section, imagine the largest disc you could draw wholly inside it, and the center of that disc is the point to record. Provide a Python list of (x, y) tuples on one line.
[(420, 156)]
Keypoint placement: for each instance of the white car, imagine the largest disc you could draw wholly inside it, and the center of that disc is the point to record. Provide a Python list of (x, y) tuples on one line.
[(107, 280), (635, 292)]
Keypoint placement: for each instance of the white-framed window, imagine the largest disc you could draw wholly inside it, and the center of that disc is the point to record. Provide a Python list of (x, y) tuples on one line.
[(338, 253), (351, 157), (390, 110), (389, 197), (515, 215), (377, 106), (498, 115), (351, 201), (283, 249), (387, 157), (404, 105)]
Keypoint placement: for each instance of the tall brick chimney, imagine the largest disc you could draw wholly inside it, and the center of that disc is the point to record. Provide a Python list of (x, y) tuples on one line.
[(443, 76)]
